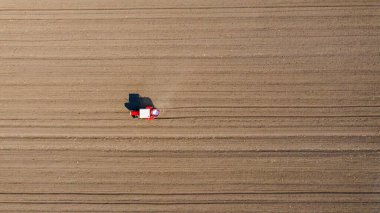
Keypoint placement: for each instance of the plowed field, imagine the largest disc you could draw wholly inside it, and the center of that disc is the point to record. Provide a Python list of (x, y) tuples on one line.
[(266, 106)]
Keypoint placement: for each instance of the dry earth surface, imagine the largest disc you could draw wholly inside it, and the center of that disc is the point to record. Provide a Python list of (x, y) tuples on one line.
[(267, 106)]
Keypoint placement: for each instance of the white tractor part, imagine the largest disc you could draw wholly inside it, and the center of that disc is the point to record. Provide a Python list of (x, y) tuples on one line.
[(144, 113)]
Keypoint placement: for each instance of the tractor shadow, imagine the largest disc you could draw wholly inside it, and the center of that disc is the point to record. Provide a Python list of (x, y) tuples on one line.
[(136, 102)]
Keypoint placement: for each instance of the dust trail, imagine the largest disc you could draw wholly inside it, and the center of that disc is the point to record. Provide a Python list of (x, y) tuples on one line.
[(174, 84), (273, 107)]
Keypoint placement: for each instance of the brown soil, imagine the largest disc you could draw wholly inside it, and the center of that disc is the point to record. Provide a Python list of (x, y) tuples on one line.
[(267, 106)]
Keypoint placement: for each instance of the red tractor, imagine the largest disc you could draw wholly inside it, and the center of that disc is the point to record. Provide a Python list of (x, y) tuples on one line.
[(148, 113)]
